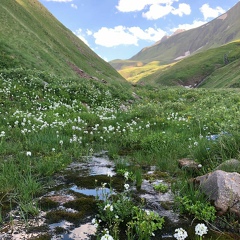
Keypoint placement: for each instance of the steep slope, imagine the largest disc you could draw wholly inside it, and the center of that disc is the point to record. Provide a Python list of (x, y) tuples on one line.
[(215, 67), (31, 37), (219, 31)]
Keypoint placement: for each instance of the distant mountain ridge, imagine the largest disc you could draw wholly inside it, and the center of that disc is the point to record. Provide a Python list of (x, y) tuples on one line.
[(166, 37), (217, 32)]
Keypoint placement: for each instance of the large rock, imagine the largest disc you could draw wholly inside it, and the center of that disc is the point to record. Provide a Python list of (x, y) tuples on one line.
[(223, 189), (232, 165)]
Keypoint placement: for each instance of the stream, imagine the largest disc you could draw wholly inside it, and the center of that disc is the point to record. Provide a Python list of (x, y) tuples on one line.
[(67, 207)]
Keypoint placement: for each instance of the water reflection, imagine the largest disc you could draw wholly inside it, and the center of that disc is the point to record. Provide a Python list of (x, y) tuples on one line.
[(100, 193), (80, 233)]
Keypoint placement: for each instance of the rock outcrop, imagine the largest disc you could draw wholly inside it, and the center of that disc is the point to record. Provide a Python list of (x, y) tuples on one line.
[(232, 165), (223, 188)]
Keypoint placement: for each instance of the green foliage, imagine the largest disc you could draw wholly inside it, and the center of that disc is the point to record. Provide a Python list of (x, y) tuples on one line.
[(143, 224), (163, 188), (217, 148), (53, 117), (190, 200), (200, 210), (129, 175), (58, 121), (120, 215)]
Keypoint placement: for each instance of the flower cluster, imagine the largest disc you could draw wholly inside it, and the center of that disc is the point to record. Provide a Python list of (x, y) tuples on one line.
[(107, 236), (108, 207), (180, 234), (2, 134), (200, 230)]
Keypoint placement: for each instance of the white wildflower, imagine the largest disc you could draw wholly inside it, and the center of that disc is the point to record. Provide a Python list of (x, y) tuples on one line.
[(28, 153), (107, 237), (108, 206), (109, 174), (104, 185), (126, 174), (147, 212), (94, 222), (2, 134), (180, 234), (201, 229)]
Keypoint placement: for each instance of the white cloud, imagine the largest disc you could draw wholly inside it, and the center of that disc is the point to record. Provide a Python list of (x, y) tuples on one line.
[(139, 5), (187, 26), (120, 35), (157, 11), (79, 34), (74, 6), (183, 8), (110, 37), (89, 32), (209, 12), (155, 8)]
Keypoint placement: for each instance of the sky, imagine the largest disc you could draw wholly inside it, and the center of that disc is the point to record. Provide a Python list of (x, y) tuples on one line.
[(119, 29)]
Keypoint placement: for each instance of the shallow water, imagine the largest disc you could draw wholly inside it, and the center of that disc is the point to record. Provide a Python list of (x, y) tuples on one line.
[(99, 193), (65, 192), (82, 232)]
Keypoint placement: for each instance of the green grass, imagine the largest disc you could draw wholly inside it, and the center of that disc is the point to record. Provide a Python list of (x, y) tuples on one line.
[(48, 122), (208, 66), (53, 117), (32, 38), (134, 74)]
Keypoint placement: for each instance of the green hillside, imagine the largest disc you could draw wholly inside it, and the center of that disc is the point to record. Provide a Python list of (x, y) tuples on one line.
[(31, 37), (134, 74), (216, 33), (205, 66), (61, 106)]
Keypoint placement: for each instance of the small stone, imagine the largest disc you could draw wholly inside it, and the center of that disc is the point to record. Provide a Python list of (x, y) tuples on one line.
[(189, 165)]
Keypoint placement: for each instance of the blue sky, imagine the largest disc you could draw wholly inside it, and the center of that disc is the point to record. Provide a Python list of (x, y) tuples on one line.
[(119, 29)]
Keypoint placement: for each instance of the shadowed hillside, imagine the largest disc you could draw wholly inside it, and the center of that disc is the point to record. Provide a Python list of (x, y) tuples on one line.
[(31, 37)]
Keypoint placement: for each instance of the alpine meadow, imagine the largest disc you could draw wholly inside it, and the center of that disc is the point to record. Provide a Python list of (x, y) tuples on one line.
[(62, 107)]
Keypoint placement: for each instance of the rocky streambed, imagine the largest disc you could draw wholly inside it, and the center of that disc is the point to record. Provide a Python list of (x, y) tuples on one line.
[(69, 204)]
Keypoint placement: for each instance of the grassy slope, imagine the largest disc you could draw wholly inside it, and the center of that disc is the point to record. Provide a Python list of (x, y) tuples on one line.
[(31, 37), (119, 64), (227, 76), (196, 68), (211, 35), (134, 74)]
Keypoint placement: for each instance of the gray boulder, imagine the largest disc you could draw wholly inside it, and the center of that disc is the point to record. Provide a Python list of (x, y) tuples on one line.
[(232, 165), (223, 189)]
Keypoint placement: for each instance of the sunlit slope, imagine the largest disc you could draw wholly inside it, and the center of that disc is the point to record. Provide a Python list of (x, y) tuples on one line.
[(134, 74), (31, 37), (220, 31), (194, 70)]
